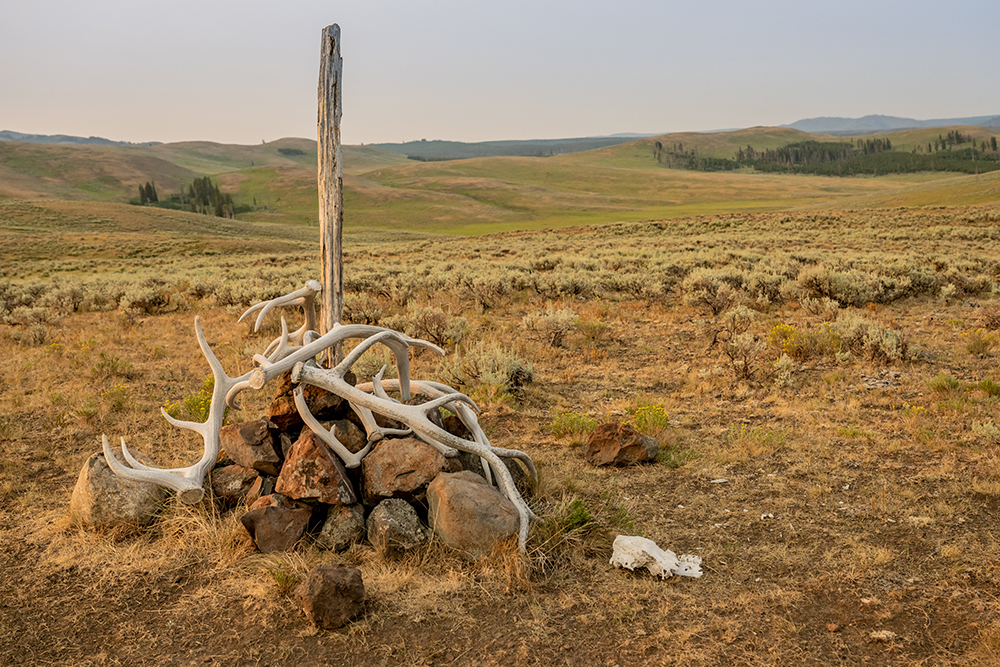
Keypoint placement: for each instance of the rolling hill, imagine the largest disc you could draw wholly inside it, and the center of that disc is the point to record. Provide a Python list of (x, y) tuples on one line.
[(472, 196)]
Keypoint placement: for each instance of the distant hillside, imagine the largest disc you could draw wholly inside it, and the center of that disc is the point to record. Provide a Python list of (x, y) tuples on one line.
[(876, 123), (7, 135), (430, 151)]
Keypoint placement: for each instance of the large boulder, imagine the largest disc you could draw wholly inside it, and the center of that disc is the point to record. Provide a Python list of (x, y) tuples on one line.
[(343, 527), (252, 445), (394, 527), (313, 472), (101, 499), (468, 514), (620, 445), (331, 595), (276, 523), (399, 468)]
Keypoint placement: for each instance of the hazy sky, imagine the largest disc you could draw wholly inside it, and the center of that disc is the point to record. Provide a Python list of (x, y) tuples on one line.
[(240, 72)]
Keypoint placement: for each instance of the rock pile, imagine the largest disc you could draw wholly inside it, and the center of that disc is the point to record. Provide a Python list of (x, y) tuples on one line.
[(403, 492)]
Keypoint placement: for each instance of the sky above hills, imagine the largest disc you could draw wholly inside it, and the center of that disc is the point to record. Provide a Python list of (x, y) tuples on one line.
[(246, 71)]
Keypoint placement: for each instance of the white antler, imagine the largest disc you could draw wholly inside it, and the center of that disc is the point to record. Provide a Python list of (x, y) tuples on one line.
[(305, 297), (414, 416), (187, 482)]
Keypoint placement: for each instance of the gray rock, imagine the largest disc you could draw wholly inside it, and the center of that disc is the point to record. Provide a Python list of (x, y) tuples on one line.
[(101, 499), (522, 480), (232, 483), (468, 514), (394, 527), (331, 595), (344, 526)]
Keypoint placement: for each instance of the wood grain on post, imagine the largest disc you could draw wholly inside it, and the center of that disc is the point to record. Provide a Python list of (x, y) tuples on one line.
[(331, 178)]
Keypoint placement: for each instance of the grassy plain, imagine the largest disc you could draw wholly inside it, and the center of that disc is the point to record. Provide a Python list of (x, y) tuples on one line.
[(849, 401)]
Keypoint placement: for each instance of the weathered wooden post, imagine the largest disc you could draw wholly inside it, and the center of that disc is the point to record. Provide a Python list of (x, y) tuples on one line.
[(331, 178)]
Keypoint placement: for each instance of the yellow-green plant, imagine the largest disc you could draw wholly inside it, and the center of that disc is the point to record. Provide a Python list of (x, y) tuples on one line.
[(980, 340), (649, 419), (571, 423)]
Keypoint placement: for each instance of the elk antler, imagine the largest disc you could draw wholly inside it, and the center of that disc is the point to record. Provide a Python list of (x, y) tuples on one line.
[(305, 297), (187, 482), (414, 416)]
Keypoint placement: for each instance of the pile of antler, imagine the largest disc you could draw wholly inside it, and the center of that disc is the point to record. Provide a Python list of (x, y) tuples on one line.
[(297, 352)]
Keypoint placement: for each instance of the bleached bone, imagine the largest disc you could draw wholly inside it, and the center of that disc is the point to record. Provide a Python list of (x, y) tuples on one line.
[(466, 415), (399, 344), (350, 459), (632, 552), (414, 416), (187, 482), (305, 297)]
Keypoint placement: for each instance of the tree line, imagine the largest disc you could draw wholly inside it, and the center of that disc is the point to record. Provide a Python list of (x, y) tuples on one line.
[(952, 152)]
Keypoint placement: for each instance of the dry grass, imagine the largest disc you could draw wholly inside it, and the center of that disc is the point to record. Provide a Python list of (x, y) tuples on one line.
[(861, 490)]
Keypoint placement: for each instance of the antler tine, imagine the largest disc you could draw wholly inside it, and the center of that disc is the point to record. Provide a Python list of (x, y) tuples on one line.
[(304, 296), (414, 416), (187, 481), (468, 418), (398, 343), (350, 459)]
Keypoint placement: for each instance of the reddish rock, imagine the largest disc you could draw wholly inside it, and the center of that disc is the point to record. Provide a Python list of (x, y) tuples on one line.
[(101, 499), (252, 445), (468, 514), (231, 483), (620, 445), (313, 472), (276, 523), (399, 468), (322, 404), (454, 425), (344, 526), (394, 527), (331, 595)]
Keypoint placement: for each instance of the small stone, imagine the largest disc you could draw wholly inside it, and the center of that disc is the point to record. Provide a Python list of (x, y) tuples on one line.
[(394, 527), (344, 526), (331, 595), (468, 514), (399, 468), (262, 486), (522, 480), (312, 472), (276, 523), (832, 627), (454, 425), (231, 483), (349, 435), (252, 445), (101, 499), (620, 445)]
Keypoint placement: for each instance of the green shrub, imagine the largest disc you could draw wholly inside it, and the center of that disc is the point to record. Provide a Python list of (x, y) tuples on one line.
[(869, 339), (571, 424), (491, 364)]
